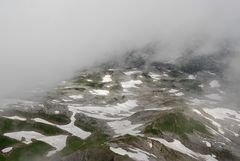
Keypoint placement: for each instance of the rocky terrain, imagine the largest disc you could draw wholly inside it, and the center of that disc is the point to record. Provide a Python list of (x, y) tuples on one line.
[(126, 110)]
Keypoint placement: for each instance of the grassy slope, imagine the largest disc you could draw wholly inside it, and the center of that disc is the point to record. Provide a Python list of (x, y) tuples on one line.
[(8, 125), (176, 123)]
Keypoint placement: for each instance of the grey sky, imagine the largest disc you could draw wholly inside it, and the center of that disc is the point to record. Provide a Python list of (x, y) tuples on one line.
[(47, 40)]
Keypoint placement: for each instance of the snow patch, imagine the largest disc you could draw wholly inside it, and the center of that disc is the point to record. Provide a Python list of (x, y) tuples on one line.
[(7, 150), (178, 146), (57, 112), (155, 76), (58, 142), (223, 113), (99, 92), (198, 112), (107, 79), (15, 118), (71, 128), (207, 143), (131, 83), (89, 80), (179, 94), (76, 96), (173, 91), (214, 84), (197, 102), (150, 144), (165, 75), (134, 153), (109, 112), (158, 109), (211, 120), (191, 77), (124, 127), (128, 73)]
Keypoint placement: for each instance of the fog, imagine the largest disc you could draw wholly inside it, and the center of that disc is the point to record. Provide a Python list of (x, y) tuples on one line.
[(44, 41)]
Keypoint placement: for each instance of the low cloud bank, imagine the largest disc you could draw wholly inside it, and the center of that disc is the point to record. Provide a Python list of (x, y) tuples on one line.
[(45, 41)]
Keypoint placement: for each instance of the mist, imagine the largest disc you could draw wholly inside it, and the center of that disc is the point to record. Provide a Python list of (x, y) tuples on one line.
[(45, 41)]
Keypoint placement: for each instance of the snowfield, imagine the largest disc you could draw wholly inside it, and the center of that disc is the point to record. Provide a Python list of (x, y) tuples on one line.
[(124, 127), (219, 126), (58, 142), (110, 112), (99, 92), (134, 153), (178, 146), (71, 128), (15, 118), (223, 113), (107, 79), (131, 84)]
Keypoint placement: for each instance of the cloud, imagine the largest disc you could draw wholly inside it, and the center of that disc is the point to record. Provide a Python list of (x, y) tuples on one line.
[(47, 40)]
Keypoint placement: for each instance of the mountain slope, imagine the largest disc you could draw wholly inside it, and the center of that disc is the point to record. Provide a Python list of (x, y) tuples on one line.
[(130, 109)]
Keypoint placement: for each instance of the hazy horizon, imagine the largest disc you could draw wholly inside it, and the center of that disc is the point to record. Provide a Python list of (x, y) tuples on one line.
[(47, 41)]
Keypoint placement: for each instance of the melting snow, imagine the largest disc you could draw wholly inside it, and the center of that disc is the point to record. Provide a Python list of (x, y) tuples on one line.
[(99, 92), (150, 144), (158, 109), (27, 135), (223, 113), (197, 102), (179, 94), (132, 72), (74, 130), (207, 143), (67, 100), (234, 133), (155, 76), (110, 112), (6, 150), (57, 112), (15, 118), (191, 77), (58, 142), (173, 90), (76, 96), (71, 128), (198, 112), (131, 83), (43, 121), (165, 74), (106, 79), (214, 84), (124, 127), (178, 146), (89, 80), (212, 121), (134, 153)]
